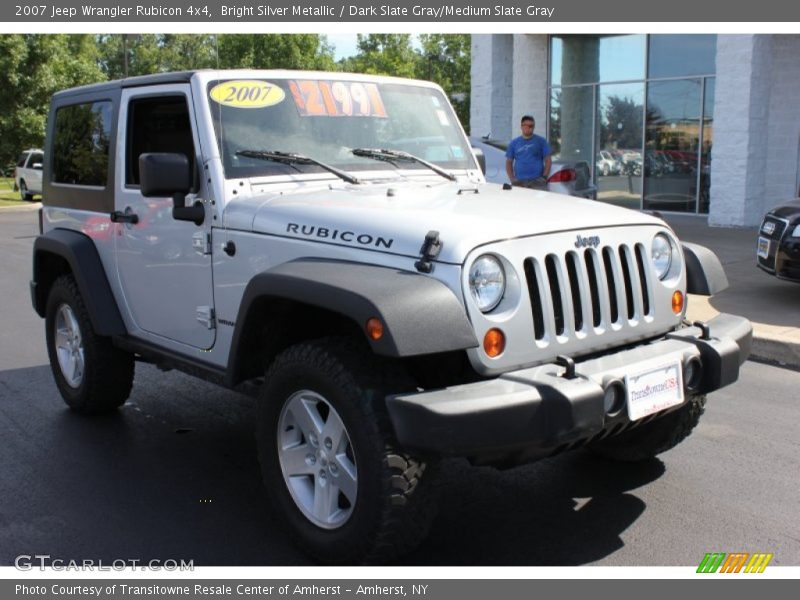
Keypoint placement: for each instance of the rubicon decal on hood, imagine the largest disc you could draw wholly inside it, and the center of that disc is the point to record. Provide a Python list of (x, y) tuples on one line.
[(335, 235)]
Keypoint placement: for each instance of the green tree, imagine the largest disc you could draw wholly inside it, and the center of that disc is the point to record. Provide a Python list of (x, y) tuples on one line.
[(36, 66), (383, 54), (127, 55), (275, 51), (445, 59)]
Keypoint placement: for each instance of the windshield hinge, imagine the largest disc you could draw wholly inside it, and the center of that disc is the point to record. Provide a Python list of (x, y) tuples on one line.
[(430, 250), (201, 242), (205, 316)]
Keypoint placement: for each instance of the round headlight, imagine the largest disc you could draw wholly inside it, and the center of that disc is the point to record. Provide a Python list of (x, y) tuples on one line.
[(487, 282), (661, 255)]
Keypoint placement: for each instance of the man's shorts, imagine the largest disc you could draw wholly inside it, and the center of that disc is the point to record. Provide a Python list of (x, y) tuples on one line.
[(540, 183)]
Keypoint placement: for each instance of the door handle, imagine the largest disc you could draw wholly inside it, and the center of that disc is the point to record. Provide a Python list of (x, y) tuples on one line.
[(128, 216)]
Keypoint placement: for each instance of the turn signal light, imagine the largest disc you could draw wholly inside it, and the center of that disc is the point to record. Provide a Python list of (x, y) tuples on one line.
[(494, 343), (677, 302), (374, 329)]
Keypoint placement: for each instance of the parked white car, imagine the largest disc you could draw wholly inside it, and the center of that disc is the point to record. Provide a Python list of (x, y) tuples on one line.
[(28, 174), (606, 164)]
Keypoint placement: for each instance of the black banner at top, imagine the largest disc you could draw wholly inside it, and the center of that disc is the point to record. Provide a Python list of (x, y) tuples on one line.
[(397, 11)]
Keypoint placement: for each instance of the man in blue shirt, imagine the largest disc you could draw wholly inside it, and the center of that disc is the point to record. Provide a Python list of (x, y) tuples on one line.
[(528, 157)]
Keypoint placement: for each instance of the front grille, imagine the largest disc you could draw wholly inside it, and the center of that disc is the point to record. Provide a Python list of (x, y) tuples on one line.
[(595, 288), (773, 229)]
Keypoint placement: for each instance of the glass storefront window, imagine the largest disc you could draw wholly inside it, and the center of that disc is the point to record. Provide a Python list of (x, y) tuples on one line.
[(619, 160), (576, 59), (671, 145), (708, 140), (682, 55), (657, 161)]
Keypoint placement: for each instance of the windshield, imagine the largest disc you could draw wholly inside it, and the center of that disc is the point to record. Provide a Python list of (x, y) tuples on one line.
[(327, 119)]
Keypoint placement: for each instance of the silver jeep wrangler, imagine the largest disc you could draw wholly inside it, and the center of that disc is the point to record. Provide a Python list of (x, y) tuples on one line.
[(332, 235)]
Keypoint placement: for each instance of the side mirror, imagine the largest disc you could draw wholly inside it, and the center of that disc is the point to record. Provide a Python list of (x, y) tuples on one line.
[(164, 174), (168, 174), (481, 158), (37, 166)]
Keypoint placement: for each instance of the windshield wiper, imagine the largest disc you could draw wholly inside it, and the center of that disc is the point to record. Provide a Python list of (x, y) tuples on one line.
[(292, 158), (391, 155)]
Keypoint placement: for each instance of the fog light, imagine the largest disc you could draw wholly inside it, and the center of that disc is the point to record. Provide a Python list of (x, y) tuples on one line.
[(692, 374), (494, 342), (614, 397), (677, 302)]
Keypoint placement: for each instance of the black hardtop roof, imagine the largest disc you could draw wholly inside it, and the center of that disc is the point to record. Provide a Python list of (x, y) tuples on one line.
[(141, 80)]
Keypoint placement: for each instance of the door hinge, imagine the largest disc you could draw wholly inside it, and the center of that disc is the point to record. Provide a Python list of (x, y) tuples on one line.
[(201, 242), (205, 316)]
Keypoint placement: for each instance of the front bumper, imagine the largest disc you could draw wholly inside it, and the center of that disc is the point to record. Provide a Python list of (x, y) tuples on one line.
[(534, 412)]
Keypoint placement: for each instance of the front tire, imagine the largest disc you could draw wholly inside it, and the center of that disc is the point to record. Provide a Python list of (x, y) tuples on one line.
[(648, 440), (92, 375), (329, 461)]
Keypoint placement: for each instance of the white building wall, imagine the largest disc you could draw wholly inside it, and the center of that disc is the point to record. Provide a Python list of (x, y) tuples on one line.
[(491, 73), (783, 126), (530, 66), (741, 124)]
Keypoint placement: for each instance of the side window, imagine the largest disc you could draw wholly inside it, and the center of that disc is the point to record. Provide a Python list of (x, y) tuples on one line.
[(157, 125), (81, 144), (37, 158)]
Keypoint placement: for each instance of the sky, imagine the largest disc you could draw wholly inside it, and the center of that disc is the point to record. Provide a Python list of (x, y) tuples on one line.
[(344, 43)]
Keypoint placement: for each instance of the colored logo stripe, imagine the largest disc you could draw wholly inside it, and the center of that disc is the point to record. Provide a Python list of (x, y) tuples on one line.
[(758, 563), (711, 562), (733, 563)]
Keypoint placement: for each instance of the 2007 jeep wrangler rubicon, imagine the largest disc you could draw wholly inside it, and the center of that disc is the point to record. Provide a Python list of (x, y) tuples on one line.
[(333, 234)]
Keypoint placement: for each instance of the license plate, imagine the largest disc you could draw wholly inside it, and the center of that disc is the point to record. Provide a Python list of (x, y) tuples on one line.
[(763, 247), (654, 390)]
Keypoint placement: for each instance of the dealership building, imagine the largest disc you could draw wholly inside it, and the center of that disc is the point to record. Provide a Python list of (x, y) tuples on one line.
[(702, 124)]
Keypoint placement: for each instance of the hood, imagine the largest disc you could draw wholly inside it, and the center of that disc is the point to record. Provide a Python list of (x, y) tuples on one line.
[(789, 210), (396, 217)]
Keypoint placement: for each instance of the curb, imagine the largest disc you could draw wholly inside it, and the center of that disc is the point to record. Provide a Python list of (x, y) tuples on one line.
[(21, 207), (777, 345)]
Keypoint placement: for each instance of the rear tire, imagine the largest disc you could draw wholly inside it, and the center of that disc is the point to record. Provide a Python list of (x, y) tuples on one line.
[(24, 194), (648, 440), (329, 460), (92, 375)]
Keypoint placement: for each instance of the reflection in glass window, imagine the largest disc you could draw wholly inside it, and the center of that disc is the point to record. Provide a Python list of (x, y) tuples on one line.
[(619, 159), (570, 134), (682, 55), (576, 59), (80, 150), (671, 146)]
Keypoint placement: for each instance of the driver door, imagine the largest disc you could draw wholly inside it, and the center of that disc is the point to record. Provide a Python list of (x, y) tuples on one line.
[(163, 265)]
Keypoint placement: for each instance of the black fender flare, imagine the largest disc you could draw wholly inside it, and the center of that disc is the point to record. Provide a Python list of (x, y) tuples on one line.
[(704, 273), (80, 253), (420, 315)]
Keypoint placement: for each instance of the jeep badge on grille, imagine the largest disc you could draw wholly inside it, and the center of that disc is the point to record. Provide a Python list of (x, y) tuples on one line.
[(583, 242)]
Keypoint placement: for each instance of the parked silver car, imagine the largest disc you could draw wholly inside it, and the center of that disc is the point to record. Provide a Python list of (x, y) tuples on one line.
[(573, 178)]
